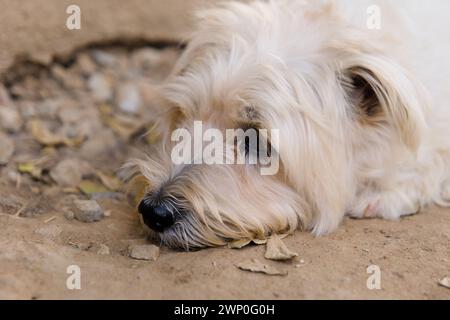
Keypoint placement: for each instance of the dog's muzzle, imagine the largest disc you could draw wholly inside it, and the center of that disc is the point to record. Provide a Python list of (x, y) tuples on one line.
[(156, 217)]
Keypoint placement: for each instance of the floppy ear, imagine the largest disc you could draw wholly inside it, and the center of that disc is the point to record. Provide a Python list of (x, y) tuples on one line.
[(382, 90)]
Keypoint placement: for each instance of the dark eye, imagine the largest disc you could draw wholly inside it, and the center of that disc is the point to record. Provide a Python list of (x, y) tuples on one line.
[(251, 143), (248, 140)]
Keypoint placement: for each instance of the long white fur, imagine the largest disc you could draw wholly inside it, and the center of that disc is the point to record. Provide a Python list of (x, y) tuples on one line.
[(290, 60)]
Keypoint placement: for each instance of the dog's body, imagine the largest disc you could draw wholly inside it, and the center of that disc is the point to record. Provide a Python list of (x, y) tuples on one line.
[(363, 118)]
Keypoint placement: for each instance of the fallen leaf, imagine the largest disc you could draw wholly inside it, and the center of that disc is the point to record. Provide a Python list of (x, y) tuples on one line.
[(445, 282), (259, 241), (106, 109), (239, 244), (255, 265), (124, 126), (31, 169), (89, 187), (277, 250), (45, 137), (111, 182)]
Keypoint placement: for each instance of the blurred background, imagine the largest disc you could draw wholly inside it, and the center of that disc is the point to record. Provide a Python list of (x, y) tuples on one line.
[(37, 28)]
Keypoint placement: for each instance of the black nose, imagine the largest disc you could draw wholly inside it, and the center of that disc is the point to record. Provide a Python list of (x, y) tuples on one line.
[(157, 217)]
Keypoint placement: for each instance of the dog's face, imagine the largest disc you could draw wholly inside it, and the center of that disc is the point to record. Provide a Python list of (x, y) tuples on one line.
[(338, 104)]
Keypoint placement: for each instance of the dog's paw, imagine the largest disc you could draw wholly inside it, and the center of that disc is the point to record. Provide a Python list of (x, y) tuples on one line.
[(444, 198), (387, 205), (446, 191)]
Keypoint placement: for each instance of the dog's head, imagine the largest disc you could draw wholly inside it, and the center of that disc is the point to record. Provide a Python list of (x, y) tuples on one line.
[(332, 104)]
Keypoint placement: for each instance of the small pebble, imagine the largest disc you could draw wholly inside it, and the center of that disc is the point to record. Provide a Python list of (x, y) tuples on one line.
[(103, 250), (69, 215), (88, 211), (144, 252), (101, 87), (50, 231), (128, 98), (145, 58), (99, 146), (86, 64), (68, 173), (10, 119), (103, 58), (5, 99), (6, 149)]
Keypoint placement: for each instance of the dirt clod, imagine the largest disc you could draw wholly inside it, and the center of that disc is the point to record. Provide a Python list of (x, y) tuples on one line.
[(143, 252)]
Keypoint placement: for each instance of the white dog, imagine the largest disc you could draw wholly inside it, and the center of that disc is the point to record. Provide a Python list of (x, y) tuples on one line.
[(360, 96)]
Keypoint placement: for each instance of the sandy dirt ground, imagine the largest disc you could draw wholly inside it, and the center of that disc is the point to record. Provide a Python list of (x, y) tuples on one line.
[(65, 131)]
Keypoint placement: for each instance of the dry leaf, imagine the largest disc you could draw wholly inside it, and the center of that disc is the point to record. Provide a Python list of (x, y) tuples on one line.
[(31, 169), (259, 241), (106, 109), (264, 241), (445, 282), (125, 127), (277, 250), (89, 187), (255, 265), (112, 183), (45, 137), (239, 244)]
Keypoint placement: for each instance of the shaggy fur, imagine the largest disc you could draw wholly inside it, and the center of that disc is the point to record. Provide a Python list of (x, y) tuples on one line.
[(363, 118)]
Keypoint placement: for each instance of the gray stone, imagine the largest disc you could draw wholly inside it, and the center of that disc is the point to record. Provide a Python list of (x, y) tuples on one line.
[(103, 58), (10, 119), (101, 87), (69, 172), (69, 215), (128, 98), (88, 211)]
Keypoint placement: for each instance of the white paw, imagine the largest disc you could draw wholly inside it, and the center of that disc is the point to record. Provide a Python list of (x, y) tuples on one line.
[(444, 198), (446, 191), (387, 205)]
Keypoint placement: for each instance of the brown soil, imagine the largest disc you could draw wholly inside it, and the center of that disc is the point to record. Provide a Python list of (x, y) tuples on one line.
[(79, 103)]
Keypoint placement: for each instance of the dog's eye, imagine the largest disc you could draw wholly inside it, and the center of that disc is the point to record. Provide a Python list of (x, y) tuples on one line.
[(249, 141), (251, 145)]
